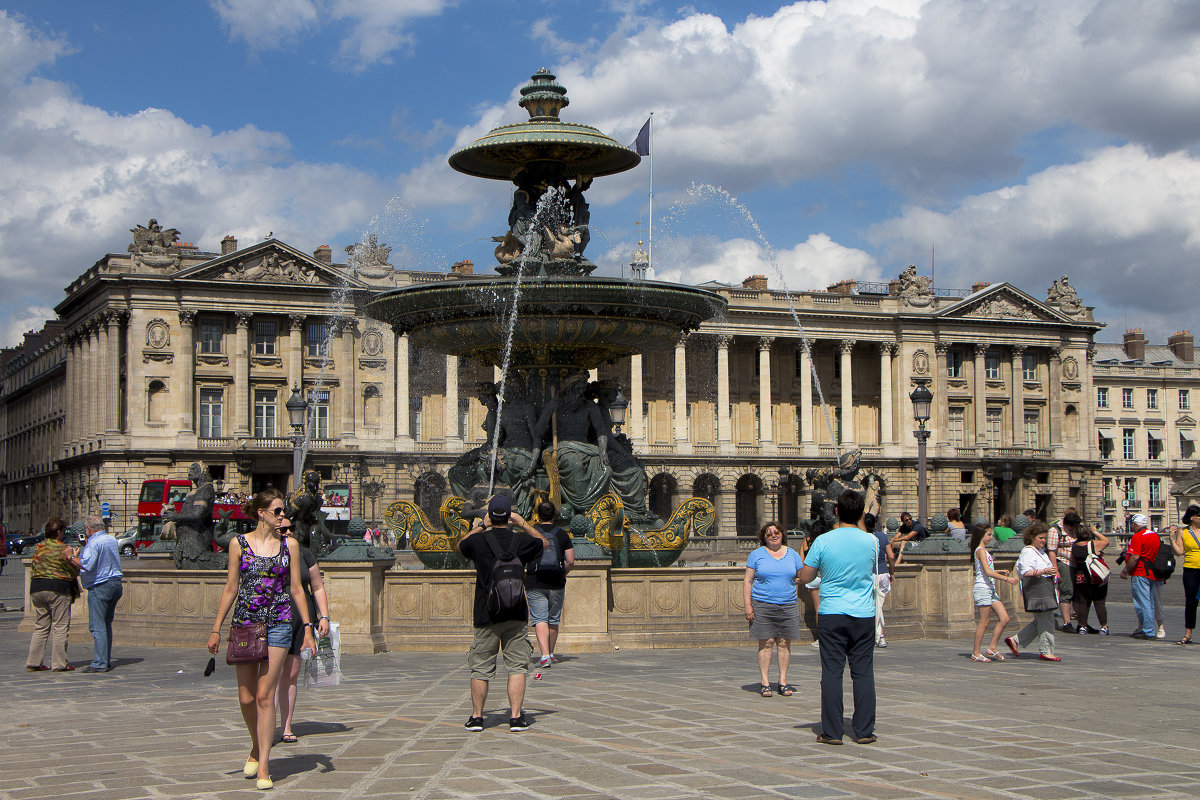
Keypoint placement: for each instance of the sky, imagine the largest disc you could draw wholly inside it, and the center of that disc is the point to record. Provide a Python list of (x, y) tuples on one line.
[(811, 142)]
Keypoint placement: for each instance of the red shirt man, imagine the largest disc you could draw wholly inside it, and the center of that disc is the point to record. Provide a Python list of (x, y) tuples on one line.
[(1143, 549)]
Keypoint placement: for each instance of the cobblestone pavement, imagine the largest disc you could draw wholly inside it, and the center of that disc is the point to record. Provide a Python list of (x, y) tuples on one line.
[(1116, 719)]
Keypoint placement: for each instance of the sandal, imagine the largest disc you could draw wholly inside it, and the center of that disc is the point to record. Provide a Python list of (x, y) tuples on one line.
[(980, 659), (1185, 640), (765, 690), (993, 655), (288, 738), (786, 689)]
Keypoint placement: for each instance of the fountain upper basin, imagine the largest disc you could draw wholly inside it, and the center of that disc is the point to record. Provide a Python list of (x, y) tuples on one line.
[(568, 322)]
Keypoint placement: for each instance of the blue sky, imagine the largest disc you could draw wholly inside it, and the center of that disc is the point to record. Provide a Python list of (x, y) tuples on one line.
[(1022, 140)]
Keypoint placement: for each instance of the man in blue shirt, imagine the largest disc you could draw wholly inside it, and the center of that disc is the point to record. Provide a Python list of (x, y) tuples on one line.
[(100, 571), (845, 558)]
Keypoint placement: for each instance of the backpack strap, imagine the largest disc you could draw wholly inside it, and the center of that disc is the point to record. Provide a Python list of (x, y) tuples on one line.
[(493, 543)]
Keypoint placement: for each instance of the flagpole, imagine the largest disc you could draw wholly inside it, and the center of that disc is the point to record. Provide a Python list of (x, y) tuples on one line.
[(650, 147)]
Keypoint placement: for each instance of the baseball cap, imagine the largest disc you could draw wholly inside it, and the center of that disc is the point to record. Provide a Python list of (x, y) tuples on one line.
[(1141, 519), (499, 508)]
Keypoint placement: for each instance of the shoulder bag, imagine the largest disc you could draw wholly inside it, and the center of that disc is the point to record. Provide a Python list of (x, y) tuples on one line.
[(247, 644), (1040, 593), (1097, 569)]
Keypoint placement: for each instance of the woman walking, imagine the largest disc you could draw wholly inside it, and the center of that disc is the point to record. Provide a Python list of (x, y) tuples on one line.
[(987, 599), (264, 572), (1089, 593), (770, 602), (314, 593), (1034, 565), (1186, 542), (53, 588)]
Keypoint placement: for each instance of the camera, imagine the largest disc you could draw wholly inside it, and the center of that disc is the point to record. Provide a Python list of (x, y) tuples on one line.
[(82, 537)]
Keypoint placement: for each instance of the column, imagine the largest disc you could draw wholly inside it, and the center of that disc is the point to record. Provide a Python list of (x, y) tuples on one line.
[(846, 346), (185, 370), (765, 428), (1056, 405), (72, 401), (1089, 447), (939, 417), (681, 408), (344, 329), (402, 401), (886, 351), (637, 423), (979, 396), (104, 372), (131, 401), (450, 420), (92, 376), (724, 426), (295, 355), (113, 379), (1018, 395), (806, 393), (241, 375)]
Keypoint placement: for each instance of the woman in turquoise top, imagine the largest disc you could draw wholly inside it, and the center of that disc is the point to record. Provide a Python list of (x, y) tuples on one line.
[(770, 602)]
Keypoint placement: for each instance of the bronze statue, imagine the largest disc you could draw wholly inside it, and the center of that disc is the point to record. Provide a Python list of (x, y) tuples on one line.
[(308, 520), (194, 524)]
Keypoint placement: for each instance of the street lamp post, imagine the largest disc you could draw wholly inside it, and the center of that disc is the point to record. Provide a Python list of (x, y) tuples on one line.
[(1006, 476), (1083, 481), (616, 410), (922, 401), (783, 482), (297, 408)]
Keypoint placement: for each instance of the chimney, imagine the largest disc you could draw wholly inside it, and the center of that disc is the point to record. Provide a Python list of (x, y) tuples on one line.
[(975, 287), (756, 282), (228, 245), (1135, 344), (1182, 345), (842, 287), (463, 268), (324, 254)]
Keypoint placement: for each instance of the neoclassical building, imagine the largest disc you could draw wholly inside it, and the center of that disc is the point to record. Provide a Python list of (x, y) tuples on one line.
[(166, 354)]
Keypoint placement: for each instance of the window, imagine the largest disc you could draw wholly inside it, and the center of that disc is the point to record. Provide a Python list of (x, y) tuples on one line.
[(1152, 399), (957, 424), (1109, 500), (1029, 369), (995, 426), (211, 333), (991, 365), (1156, 495), (1033, 433), (265, 403), (1187, 447), (1106, 447), (953, 363), (211, 405), (1130, 492), (1154, 446), (1127, 444), (1127, 398), (264, 337), (316, 339), (1101, 397), (1184, 403), (318, 414)]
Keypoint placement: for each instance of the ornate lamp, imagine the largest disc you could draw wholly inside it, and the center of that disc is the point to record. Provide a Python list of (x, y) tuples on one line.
[(922, 401), (297, 409), (616, 410)]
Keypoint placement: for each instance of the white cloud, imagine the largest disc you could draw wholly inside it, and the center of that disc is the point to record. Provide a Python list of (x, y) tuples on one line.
[(21, 322), (376, 28), (76, 178)]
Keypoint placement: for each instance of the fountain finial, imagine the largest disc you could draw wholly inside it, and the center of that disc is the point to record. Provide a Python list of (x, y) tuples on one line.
[(543, 97)]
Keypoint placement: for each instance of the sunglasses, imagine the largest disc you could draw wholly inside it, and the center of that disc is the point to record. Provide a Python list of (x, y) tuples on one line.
[(284, 528), (276, 511)]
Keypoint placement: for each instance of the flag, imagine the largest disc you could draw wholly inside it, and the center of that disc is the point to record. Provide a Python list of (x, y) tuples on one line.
[(641, 145)]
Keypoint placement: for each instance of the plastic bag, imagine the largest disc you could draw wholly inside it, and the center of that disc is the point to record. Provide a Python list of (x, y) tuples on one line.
[(324, 669)]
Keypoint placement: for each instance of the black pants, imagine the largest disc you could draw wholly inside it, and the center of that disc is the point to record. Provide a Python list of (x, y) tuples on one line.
[(847, 638), (1191, 585)]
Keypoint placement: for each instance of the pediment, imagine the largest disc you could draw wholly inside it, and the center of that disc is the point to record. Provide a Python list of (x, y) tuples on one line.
[(1185, 422), (270, 262), (1003, 302)]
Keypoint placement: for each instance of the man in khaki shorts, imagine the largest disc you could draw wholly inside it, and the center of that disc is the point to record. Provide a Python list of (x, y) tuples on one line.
[(504, 632)]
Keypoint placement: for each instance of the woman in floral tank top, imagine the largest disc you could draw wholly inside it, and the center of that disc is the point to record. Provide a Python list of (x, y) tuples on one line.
[(263, 574)]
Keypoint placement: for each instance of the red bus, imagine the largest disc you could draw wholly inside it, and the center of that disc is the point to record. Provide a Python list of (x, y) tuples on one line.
[(160, 495)]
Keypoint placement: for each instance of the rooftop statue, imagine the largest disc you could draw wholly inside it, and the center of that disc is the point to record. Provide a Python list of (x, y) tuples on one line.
[(915, 290), (1062, 294), (152, 245), (369, 258)]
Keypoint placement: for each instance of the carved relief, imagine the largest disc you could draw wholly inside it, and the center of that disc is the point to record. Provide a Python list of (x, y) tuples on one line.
[(1070, 368), (372, 341), (187, 316), (921, 362), (158, 334), (1001, 307), (272, 268)]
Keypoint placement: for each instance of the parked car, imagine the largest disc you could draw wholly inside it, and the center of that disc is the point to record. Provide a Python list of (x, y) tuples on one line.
[(127, 541), (17, 542)]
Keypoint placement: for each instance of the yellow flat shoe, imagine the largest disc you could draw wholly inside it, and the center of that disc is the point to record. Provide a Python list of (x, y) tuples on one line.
[(251, 768), (265, 783)]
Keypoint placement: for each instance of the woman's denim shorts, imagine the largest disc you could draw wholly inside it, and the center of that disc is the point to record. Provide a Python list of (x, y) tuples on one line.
[(280, 635)]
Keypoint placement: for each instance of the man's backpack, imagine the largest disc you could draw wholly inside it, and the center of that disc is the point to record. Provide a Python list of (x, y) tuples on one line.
[(1164, 563), (550, 562), (505, 586)]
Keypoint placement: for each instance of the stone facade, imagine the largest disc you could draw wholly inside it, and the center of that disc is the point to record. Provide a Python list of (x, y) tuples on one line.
[(159, 359)]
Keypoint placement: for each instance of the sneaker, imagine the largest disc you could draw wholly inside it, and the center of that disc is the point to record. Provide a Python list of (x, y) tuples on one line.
[(1162, 632), (1082, 630), (555, 659), (1068, 628), (1103, 631), (518, 723), (474, 724), (815, 645), (881, 642), (545, 661)]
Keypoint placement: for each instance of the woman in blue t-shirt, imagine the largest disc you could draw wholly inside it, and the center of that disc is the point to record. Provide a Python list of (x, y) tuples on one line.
[(770, 601)]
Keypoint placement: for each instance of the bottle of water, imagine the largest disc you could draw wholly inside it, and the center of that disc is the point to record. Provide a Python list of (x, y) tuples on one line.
[(306, 653)]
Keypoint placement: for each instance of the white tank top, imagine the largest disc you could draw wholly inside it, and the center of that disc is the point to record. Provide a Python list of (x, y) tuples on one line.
[(982, 580)]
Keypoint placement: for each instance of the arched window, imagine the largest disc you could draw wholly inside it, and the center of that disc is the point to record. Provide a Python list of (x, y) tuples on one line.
[(662, 495), (749, 487), (156, 401), (708, 486), (371, 400)]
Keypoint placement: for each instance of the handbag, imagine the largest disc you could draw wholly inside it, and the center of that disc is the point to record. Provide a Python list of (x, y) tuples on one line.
[(1097, 569), (247, 644), (324, 669), (1040, 594)]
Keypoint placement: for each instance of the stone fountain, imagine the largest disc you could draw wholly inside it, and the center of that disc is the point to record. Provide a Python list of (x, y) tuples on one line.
[(545, 322)]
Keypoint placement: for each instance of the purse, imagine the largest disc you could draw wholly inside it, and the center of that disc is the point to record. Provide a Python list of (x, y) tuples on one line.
[(1097, 569), (247, 644), (1040, 594)]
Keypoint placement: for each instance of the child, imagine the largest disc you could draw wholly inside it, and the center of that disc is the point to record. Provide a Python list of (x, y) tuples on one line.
[(984, 591)]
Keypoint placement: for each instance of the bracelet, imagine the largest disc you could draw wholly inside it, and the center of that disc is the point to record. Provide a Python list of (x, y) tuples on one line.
[(322, 617)]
